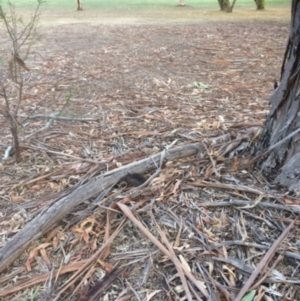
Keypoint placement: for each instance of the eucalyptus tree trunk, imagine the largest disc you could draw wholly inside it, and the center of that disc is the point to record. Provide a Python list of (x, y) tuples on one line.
[(282, 127)]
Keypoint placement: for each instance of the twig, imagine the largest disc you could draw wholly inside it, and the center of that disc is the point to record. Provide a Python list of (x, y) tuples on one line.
[(229, 187), (47, 126), (62, 154), (264, 261), (72, 280), (134, 291), (271, 148), (175, 260), (234, 203), (58, 117), (129, 214)]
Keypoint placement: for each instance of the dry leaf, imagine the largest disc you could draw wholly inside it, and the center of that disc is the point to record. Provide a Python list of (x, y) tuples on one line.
[(34, 253), (184, 263)]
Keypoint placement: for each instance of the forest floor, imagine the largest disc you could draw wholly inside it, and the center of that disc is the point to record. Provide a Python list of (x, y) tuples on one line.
[(119, 90)]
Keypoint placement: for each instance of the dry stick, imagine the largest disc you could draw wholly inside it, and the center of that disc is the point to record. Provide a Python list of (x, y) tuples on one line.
[(72, 280), (48, 217), (31, 181), (146, 271), (265, 260), (13, 125), (213, 163), (194, 292), (134, 291), (72, 267), (177, 240), (272, 147), (294, 209), (216, 284), (271, 269), (175, 260), (61, 154), (53, 117), (82, 280), (124, 295), (253, 245), (102, 285), (229, 186), (47, 126), (129, 214)]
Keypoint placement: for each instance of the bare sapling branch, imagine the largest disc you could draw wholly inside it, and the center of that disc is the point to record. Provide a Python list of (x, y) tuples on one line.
[(21, 36)]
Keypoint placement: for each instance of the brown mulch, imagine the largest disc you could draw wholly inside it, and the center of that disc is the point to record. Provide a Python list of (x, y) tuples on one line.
[(119, 94)]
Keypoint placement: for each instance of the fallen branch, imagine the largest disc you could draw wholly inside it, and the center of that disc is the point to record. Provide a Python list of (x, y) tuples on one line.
[(51, 215)]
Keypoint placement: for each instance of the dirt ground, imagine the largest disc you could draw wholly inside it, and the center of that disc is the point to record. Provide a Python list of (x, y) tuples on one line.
[(127, 88)]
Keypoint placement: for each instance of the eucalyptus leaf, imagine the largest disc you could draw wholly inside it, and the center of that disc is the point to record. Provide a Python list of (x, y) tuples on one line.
[(250, 296)]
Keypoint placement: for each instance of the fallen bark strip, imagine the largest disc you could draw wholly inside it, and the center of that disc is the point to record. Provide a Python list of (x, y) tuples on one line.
[(54, 213)]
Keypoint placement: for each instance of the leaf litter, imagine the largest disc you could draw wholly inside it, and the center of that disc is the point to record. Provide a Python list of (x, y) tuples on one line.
[(204, 225)]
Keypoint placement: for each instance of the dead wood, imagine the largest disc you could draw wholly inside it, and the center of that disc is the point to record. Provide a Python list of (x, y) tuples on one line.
[(51, 215), (46, 219)]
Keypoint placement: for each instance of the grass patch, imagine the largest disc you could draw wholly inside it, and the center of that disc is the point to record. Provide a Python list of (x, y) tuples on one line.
[(57, 12), (127, 4)]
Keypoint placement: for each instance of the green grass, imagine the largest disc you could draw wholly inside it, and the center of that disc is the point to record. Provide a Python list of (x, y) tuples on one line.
[(127, 4), (125, 11)]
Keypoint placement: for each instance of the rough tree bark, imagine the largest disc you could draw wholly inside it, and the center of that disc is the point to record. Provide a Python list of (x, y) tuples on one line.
[(282, 164)]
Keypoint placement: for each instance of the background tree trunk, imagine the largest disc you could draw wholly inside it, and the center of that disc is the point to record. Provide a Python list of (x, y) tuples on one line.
[(79, 5), (260, 4), (224, 4), (230, 7), (283, 163)]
